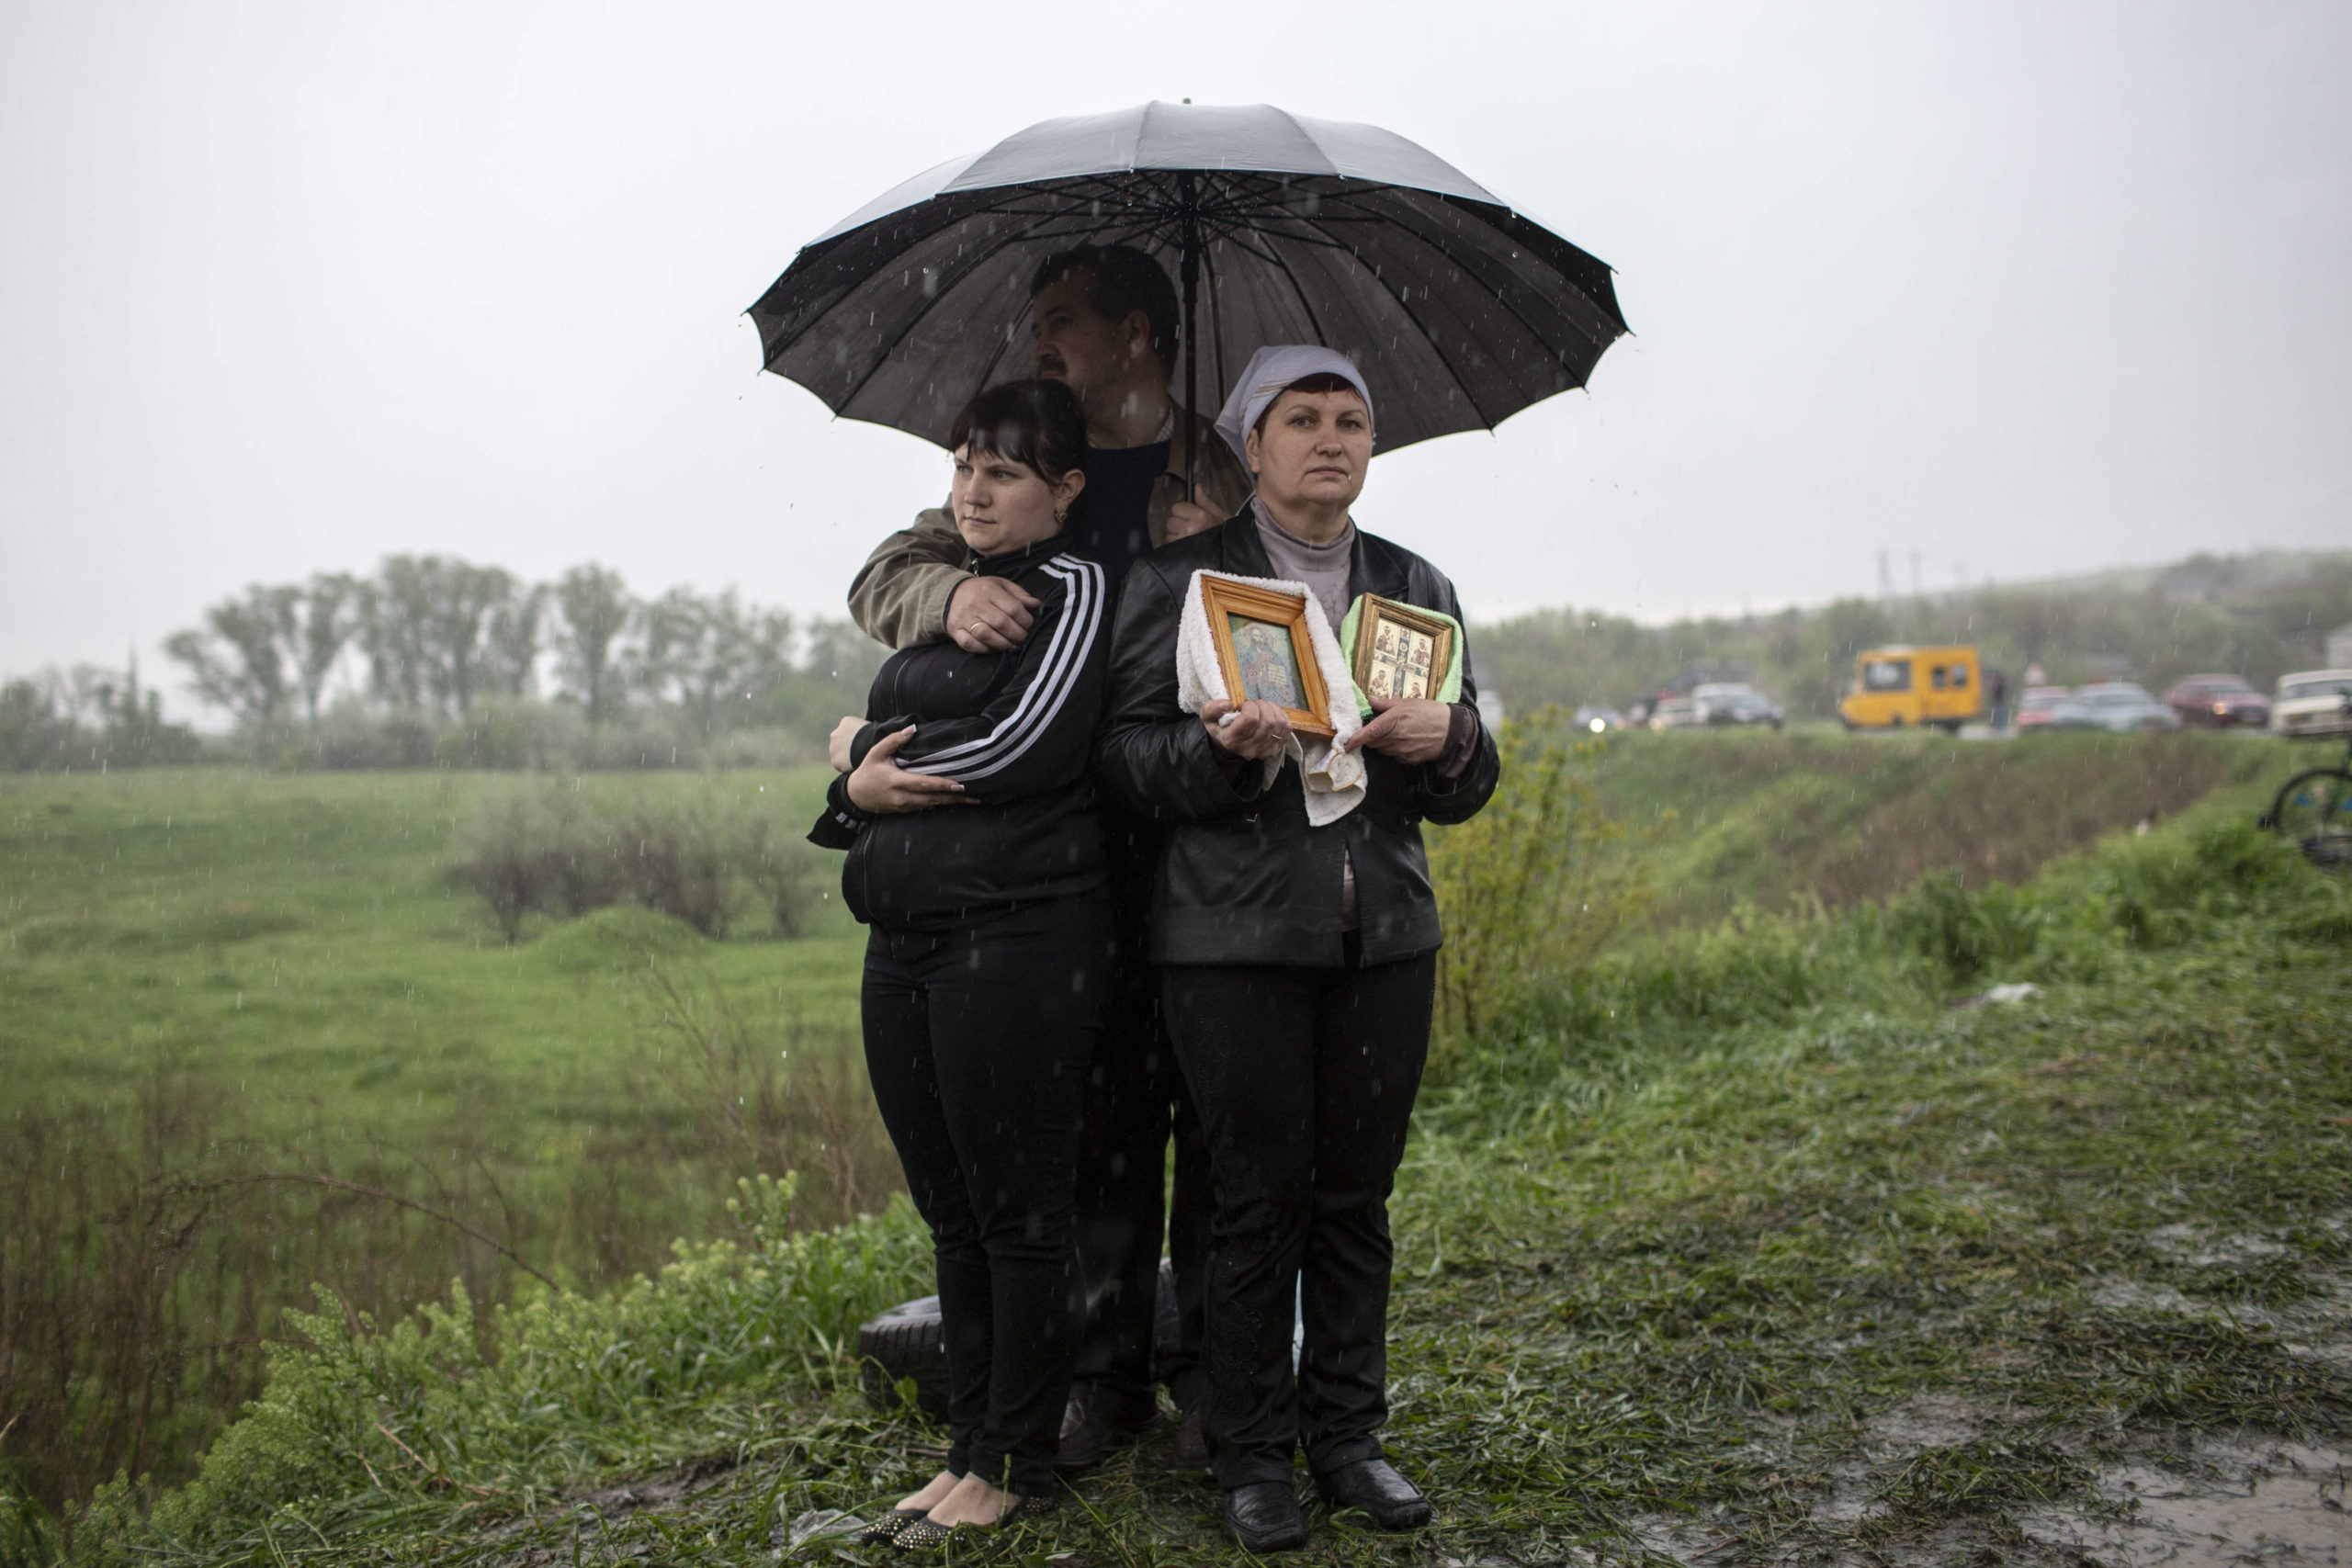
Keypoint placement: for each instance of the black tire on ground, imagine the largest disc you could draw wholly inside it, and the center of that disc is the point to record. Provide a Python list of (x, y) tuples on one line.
[(905, 1342), (908, 1342)]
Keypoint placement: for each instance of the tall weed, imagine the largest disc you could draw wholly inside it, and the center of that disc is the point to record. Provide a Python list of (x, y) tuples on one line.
[(361, 1421), (152, 1250), (1534, 886)]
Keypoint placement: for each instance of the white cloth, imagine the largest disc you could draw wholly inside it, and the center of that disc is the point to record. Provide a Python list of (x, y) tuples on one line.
[(1334, 779), (1269, 371)]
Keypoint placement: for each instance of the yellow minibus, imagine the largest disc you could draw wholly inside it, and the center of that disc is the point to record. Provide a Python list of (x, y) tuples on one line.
[(1895, 687)]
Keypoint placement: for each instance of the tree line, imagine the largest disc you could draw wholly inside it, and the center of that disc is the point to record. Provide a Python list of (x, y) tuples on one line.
[(2257, 616), (460, 654), (88, 717), (432, 661)]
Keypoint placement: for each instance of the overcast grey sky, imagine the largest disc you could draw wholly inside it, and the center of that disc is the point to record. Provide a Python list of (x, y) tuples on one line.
[(2029, 288)]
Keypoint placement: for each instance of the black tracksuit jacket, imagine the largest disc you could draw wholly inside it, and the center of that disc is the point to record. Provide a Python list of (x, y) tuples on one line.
[(1016, 730)]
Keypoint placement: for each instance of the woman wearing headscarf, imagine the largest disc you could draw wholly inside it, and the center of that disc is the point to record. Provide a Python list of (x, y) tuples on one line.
[(976, 855), (1298, 962)]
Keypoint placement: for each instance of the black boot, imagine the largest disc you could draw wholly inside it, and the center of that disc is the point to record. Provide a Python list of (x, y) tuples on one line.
[(1374, 1485), (1091, 1427), (1192, 1449), (1264, 1517)]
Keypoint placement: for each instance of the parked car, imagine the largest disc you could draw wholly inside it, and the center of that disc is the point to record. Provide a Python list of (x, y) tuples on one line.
[(1600, 718), (1734, 702), (1894, 687), (1674, 713), (2219, 701), (2312, 702), (2039, 707), (2118, 706)]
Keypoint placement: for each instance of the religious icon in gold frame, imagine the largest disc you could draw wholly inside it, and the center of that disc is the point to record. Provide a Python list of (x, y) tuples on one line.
[(1265, 650), (1400, 651)]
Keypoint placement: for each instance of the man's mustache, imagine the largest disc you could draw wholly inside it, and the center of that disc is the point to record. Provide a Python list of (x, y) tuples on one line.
[(1051, 367)]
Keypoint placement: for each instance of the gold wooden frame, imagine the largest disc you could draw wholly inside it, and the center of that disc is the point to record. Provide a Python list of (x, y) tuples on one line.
[(1222, 598), (1375, 610)]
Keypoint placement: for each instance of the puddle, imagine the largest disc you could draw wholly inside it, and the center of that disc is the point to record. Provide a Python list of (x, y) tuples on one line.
[(2199, 1250), (2282, 1504), (1928, 1421)]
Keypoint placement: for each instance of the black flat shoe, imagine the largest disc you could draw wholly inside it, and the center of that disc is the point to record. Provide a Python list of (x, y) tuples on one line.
[(889, 1526), (1374, 1485), (1264, 1517), (923, 1533)]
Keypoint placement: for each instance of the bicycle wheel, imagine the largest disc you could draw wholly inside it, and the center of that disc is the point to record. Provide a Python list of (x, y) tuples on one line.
[(2314, 810)]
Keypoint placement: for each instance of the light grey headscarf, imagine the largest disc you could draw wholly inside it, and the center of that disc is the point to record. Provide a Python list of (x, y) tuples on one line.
[(1269, 371)]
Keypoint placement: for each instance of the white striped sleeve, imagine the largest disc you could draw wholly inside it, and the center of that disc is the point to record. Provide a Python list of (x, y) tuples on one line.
[(1040, 700)]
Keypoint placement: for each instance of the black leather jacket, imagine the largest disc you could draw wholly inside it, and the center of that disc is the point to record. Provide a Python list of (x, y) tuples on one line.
[(1243, 878)]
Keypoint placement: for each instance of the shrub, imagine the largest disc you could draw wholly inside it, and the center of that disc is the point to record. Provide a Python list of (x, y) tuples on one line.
[(504, 854), (350, 736), (681, 860), (1966, 931), (547, 846), (1534, 886), (787, 871), (513, 735)]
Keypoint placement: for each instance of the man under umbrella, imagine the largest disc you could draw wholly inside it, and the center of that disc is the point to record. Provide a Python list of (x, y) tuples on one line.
[(1104, 322)]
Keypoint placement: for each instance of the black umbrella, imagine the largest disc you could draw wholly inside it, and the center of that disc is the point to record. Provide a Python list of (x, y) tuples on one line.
[(1459, 311)]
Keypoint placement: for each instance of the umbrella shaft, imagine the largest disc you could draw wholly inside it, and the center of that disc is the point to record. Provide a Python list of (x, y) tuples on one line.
[(1189, 269)]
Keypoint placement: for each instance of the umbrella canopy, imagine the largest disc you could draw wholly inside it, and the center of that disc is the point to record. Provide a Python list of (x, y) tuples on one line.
[(1459, 311)]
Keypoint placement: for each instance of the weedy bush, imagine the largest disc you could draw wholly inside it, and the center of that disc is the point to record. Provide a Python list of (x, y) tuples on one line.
[(546, 846), (681, 858), (502, 855), (2146, 893), (1534, 886), (1967, 931)]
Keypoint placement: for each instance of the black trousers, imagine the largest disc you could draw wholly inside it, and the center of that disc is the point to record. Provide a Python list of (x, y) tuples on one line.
[(977, 1043), (1136, 1097), (1306, 1080)]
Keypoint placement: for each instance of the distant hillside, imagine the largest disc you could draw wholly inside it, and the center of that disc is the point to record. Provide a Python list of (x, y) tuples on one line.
[(1778, 821), (2257, 616)]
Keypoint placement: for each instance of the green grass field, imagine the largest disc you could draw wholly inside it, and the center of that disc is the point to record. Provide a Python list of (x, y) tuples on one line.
[(1768, 1243), (296, 935), (217, 983)]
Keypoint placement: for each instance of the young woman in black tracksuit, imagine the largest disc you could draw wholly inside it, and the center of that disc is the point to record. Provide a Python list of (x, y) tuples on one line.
[(976, 857)]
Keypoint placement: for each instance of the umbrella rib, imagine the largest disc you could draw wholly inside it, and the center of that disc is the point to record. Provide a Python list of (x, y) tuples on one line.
[(928, 306), (1438, 346), (1415, 231), (1510, 310), (1304, 303)]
